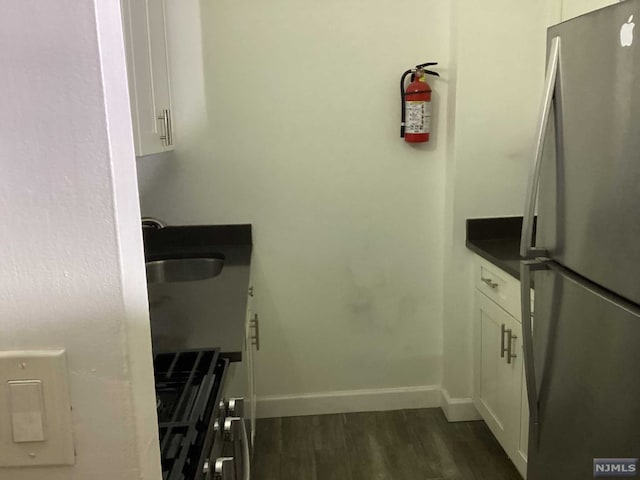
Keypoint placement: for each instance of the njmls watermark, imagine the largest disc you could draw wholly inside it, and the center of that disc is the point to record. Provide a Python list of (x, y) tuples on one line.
[(615, 467)]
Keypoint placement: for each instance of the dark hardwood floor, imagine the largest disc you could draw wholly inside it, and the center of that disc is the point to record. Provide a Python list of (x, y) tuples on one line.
[(399, 445)]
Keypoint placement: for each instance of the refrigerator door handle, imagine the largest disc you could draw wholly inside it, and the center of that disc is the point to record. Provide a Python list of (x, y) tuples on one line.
[(526, 267), (527, 249)]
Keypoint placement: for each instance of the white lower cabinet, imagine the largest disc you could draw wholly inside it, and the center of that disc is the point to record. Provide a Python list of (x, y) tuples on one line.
[(499, 387), (241, 382), (252, 340)]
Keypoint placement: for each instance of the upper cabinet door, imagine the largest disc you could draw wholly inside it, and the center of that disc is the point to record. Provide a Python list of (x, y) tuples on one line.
[(148, 71)]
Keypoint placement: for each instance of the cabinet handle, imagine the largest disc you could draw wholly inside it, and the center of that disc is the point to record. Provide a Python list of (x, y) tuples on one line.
[(490, 283), (255, 324), (251, 291), (510, 355), (167, 136), (503, 349), (163, 118)]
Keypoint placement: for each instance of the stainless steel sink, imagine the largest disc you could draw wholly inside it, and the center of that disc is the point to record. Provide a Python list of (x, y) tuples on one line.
[(183, 269)]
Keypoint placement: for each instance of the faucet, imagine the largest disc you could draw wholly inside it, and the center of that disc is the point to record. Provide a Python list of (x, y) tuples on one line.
[(151, 222)]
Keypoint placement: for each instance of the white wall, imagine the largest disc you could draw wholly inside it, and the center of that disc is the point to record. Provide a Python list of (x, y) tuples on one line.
[(289, 121), (573, 8), (499, 55), (354, 230), (72, 272)]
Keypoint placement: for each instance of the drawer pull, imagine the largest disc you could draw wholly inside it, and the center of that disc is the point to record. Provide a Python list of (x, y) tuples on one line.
[(490, 283)]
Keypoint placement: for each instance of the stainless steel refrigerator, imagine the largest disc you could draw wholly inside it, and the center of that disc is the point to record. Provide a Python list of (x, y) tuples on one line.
[(582, 342)]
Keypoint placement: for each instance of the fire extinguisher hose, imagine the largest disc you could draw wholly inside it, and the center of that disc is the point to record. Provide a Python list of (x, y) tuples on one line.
[(403, 108)]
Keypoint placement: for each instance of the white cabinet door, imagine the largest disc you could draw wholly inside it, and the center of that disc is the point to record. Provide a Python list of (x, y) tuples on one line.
[(250, 341), (148, 72), (492, 385), (251, 378), (498, 376), (515, 448), (241, 383)]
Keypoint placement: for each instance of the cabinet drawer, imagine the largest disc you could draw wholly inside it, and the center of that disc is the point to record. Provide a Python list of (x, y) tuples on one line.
[(499, 286)]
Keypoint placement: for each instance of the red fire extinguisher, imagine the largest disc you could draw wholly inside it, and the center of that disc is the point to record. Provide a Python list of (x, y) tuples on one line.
[(415, 125)]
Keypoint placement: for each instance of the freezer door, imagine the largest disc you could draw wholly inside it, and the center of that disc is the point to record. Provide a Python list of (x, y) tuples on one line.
[(589, 197), (587, 388)]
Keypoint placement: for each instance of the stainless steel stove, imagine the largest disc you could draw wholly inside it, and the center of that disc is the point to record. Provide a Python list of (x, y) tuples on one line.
[(202, 436)]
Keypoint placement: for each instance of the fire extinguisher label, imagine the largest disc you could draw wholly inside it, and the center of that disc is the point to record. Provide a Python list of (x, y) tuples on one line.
[(418, 117)]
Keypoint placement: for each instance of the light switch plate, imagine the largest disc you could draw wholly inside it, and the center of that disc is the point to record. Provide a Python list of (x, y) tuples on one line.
[(35, 409), (27, 411)]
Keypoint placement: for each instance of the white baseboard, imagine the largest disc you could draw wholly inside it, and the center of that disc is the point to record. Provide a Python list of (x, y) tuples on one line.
[(459, 409), (427, 396)]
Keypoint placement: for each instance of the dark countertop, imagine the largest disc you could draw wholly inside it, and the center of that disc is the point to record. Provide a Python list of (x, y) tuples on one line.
[(204, 314), (194, 240), (497, 240)]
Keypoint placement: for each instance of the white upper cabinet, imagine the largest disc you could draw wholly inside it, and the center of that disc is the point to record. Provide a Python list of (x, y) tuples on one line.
[(148, 71)]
